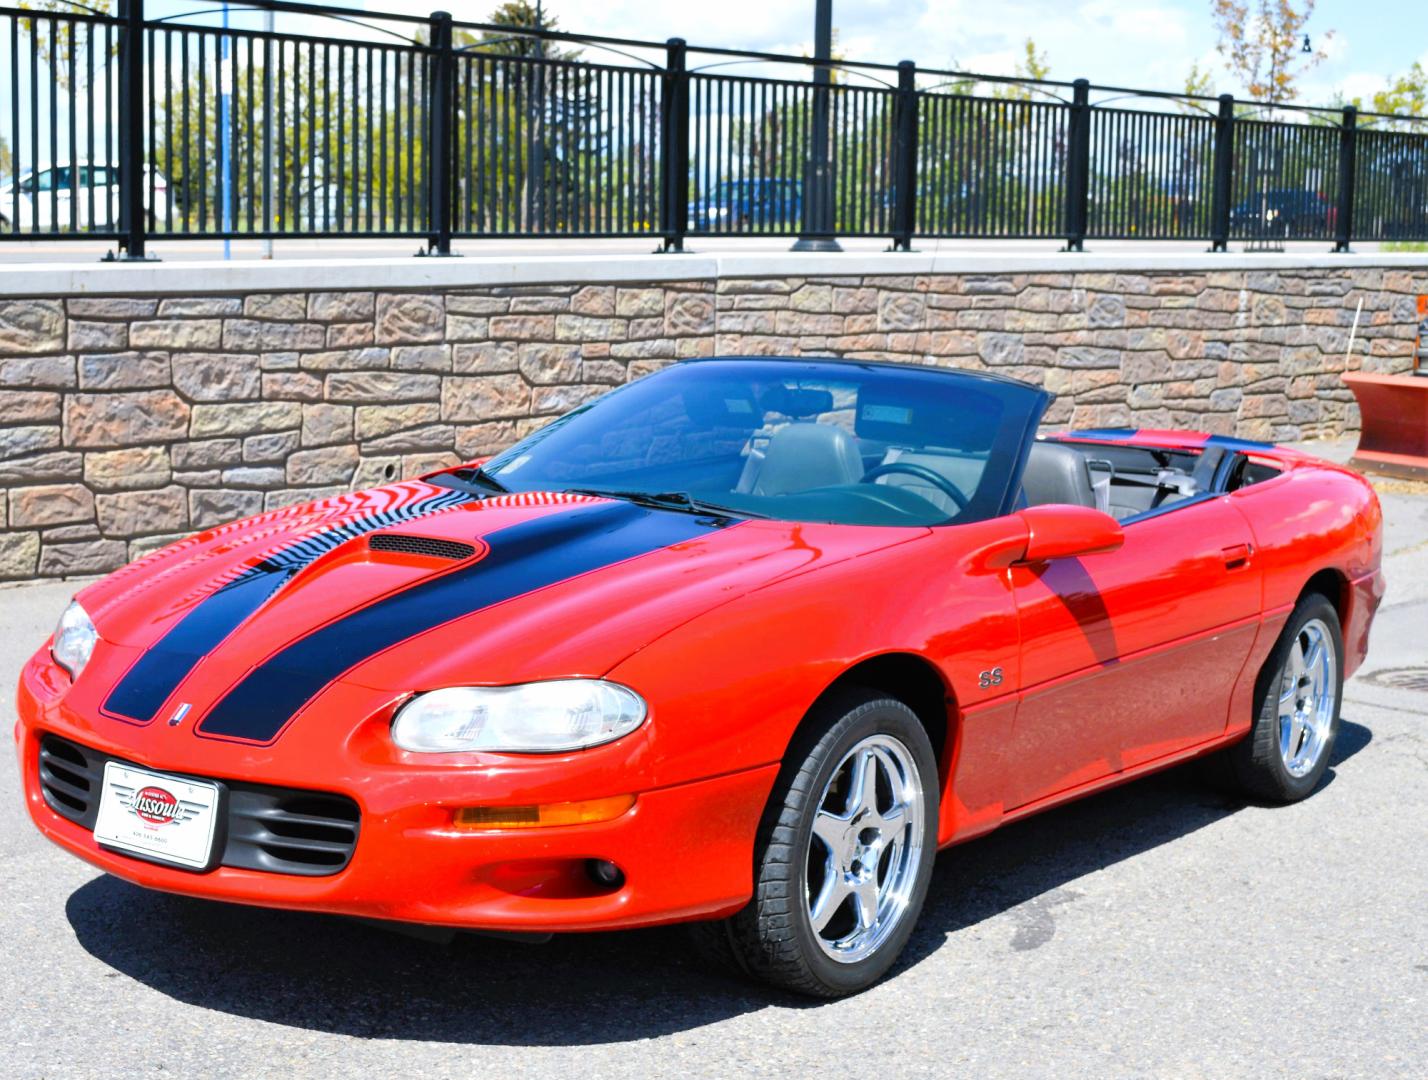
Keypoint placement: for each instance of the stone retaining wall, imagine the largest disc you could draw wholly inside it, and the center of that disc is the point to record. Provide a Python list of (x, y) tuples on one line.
[(127, 421)]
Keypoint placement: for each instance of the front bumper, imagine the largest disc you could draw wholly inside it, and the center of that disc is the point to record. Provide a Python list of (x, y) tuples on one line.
[(686, 851)]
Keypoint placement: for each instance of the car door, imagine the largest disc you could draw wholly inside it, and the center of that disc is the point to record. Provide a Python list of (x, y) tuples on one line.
[(38, 214), (1131, 655)]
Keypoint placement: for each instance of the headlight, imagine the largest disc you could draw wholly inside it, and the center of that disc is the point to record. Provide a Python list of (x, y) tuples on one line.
[(543, 717), (74, 639)]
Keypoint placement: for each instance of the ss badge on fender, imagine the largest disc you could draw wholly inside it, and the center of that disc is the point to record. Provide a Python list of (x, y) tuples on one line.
[(986, 679)]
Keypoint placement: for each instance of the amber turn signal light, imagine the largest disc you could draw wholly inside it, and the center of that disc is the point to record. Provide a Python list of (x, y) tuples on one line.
[(585, 812)]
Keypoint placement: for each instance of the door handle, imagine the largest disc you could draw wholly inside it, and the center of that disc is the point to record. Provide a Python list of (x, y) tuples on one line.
[(1237, 555)]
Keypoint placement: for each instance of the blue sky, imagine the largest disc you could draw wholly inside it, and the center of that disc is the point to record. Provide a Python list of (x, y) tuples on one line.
[(1137, 43), (1140, 43)]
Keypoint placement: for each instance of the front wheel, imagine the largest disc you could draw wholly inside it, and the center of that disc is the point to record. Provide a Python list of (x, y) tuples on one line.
[(845, 854), (1299, 693)]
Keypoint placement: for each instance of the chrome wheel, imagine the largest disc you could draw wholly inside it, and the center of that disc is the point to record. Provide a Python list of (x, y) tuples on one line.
[(1308, 694), (865, 849)]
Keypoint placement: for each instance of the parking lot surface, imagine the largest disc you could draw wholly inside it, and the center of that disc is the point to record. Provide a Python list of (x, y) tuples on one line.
[(1161, 929)]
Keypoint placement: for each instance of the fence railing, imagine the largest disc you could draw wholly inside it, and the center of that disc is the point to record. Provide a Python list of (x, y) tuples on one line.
[(128, 128)]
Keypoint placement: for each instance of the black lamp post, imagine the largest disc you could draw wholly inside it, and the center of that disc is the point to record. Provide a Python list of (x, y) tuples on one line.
[(817, 202)]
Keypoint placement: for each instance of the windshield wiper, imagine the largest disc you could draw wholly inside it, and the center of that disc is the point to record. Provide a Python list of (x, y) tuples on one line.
[(668, 500), (475, 480)]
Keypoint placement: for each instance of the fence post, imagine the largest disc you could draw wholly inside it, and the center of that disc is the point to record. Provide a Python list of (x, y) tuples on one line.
[(1224, 174), (1078, 165), (905, 175), (674, 147), (1348, 154), (438, 137), (131, 133)]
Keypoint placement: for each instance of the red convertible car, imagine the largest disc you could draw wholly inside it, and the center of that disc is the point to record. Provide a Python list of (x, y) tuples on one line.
[(741, 643)]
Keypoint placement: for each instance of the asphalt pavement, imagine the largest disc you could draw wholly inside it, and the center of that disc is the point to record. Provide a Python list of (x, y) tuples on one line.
[(1158, 930)]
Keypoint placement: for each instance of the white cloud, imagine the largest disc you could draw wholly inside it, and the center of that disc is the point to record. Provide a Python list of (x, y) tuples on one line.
[(1138, 43)]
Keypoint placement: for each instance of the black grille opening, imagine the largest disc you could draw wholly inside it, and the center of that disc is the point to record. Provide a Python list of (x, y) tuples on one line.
[(427, 546), (278, 830), (290, 832), (69, 779)]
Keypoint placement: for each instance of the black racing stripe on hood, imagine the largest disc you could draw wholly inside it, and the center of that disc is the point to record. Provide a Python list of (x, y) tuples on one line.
[(145, 687), (522, 559)]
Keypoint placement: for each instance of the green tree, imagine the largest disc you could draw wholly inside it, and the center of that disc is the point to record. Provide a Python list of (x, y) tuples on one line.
[(1260, 41), (516, 15), (62, 43), (1406, 94), (1031, 65), (344, 149)]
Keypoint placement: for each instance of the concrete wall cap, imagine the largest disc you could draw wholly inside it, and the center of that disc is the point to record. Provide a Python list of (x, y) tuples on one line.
[(184, 277)]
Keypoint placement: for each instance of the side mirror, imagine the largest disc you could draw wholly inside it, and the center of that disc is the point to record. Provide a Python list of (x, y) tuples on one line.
[(1057, 531)]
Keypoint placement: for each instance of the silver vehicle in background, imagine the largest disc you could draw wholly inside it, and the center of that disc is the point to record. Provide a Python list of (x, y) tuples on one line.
[(66, 197)]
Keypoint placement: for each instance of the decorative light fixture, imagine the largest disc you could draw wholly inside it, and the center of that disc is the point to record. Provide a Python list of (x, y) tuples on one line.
[(1307, 47)]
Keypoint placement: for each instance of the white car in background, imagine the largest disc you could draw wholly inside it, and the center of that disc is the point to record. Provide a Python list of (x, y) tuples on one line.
[(70, 197)]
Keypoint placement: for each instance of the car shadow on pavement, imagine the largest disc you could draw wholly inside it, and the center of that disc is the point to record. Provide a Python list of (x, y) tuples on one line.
[(338, 976)]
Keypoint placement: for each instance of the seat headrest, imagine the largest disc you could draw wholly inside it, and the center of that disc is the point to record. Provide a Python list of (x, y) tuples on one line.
[(1057, 474), (801, 457)]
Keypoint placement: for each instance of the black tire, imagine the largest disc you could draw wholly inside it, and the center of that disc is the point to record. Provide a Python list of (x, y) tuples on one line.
[(773, 939), (1256, 765)]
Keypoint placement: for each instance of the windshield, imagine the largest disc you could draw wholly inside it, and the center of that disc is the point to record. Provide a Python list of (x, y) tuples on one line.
[(829, 441)]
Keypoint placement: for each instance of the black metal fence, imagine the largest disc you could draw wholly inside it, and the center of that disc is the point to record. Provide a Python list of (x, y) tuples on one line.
[(128, 128)]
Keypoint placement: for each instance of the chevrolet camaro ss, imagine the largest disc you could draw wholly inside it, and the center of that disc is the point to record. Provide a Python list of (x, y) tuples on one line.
[(742, 643)]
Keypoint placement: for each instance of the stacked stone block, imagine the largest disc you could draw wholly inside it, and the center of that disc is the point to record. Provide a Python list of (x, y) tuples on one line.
[(126, 422)]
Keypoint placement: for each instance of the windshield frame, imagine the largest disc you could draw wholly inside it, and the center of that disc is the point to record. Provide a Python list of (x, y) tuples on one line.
[(1025, 402)]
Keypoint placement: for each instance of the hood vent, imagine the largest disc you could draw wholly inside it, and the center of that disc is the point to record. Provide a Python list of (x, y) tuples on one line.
[(401, 544)]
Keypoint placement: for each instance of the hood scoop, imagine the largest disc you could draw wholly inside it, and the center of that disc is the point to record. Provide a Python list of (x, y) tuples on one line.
[(425, 546)]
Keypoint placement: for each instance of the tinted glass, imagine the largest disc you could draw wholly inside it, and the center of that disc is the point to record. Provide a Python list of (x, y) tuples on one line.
[(795, 440)]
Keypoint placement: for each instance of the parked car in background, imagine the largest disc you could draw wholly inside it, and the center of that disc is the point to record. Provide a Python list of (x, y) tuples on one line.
[(736, 205), (1286, 213), (79, 196)]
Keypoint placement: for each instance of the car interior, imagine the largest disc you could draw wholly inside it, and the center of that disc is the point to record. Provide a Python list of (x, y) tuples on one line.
[(887, 447), (914, 450), (1131, 481)]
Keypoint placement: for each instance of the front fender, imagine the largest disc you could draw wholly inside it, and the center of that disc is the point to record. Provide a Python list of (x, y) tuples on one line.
[(728, 689)]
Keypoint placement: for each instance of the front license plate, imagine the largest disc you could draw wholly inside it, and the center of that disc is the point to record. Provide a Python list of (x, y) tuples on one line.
[(161, 817)]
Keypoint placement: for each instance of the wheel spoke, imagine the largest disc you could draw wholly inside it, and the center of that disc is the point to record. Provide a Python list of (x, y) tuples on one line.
[(1296, 659), (829, 828), (830, 898), (863, 791), (893, 819), (1291, 729), (865, 897), (1288, 694)]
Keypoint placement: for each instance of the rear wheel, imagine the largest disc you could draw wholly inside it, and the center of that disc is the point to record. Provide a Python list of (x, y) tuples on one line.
[(1299, 693), (845, 854)]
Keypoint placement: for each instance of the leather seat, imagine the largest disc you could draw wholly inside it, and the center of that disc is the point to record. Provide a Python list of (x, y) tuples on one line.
[(800, 457), (1057, 474)]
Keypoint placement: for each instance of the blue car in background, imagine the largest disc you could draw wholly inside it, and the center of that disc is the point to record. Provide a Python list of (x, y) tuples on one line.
[(1285, 212), (748, 205)]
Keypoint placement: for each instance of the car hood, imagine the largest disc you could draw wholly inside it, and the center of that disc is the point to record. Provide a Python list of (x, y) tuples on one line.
[(415, 586)]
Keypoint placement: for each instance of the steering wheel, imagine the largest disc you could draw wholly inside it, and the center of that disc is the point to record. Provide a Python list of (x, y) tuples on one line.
[(922, 472)]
